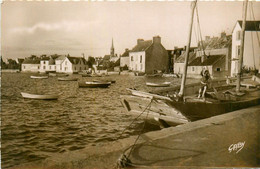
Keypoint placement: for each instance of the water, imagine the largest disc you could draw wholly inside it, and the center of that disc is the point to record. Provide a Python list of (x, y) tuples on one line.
[(33, 130)]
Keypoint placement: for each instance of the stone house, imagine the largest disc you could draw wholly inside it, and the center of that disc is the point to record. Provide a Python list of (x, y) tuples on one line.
[(149, 56)]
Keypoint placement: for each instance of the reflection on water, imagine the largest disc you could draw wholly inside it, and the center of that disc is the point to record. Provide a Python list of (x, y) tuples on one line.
[(34, 129)]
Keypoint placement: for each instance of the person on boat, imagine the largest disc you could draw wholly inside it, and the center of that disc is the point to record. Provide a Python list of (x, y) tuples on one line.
[(204, 83)]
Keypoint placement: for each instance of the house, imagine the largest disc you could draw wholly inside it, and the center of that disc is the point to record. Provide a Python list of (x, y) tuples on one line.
[(47, 64), (215, 47), (214, 63), (73, 65), (58, 62), (251, 46), (124, 59), (179, 58), (149, 56), (31, 65)]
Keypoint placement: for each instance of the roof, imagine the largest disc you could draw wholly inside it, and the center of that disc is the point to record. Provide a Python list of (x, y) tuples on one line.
[(75, 60), (31, 61), (251, 25), (125, 54), (181, 58), (142, 46), (217, 42), (106, 57), (61, 57), (212, 59)]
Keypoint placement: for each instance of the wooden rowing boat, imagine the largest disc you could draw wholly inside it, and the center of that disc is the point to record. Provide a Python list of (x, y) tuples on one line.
[(40, 96), (39, 77), (165, 84), (67, 79), (94, 84)]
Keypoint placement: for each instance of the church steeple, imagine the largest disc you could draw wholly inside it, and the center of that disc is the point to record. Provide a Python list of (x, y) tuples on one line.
[(112, 50)]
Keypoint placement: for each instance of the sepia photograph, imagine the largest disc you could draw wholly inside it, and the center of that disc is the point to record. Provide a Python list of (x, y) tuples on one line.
[(130, 84)]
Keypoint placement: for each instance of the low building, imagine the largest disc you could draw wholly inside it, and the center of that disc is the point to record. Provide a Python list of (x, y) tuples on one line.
[(251, 46), (214, 63), (179, 62), (31, 65), (149, 56)]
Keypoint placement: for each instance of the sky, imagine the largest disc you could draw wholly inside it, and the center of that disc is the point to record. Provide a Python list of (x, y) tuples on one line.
[(88, 27)]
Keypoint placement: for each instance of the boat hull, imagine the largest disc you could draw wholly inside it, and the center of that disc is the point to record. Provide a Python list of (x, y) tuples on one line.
[(67, 79), (39, 97), (93, 85), (154, 111), (39, 77), (202, 109)]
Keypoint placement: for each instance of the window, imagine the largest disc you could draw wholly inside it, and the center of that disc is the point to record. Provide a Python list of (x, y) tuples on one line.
[(50, 67), (238, 35), (38, 67), (193, 68), (132, 58), (24, 67), (43, 67), (238, 51), (141, 66), (75, 68), (218, 69), (43, 62), (141, 59), (65, 62)]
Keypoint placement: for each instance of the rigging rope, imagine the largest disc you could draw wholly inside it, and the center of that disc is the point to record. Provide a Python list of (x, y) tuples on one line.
[(124, 160)]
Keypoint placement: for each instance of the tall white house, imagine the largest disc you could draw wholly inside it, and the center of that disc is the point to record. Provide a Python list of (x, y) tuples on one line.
[(251, 46)]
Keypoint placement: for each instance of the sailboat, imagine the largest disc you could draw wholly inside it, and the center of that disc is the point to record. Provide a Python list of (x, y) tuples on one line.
[(180, 108)]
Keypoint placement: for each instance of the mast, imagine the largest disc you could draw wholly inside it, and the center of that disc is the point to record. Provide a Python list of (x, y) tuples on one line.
[(240, 63), (183, 81)]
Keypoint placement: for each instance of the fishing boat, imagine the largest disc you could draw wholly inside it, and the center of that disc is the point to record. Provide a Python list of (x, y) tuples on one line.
[(164, 84), (139, 73), (94, 84), (170, 75), (67, 79), (52, 74), (39, 77), (105, 80), (221, 99), (40, 96)]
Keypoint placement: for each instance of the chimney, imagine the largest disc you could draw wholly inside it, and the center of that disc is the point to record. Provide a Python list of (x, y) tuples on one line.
[(139, 40), (157, 39), (223, 34)]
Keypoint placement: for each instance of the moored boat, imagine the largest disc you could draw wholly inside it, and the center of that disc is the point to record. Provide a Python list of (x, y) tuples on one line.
[(165, 84), (40, 96), (39, 77), (94, 84), (67, 79), (105, 80)]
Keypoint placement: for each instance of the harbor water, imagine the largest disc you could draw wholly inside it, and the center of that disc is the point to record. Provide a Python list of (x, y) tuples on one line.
[(33, 130)]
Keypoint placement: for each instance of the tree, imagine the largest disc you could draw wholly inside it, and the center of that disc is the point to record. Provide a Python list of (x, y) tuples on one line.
[(91, 61)]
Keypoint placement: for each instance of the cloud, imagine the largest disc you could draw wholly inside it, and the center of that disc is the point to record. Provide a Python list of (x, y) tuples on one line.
[(68, 26)]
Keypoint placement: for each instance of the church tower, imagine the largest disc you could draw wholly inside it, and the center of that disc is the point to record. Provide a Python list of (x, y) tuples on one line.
[(112, 50)]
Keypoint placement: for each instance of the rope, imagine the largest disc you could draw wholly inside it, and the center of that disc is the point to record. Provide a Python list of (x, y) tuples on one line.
[(124, 160), (255, 23)]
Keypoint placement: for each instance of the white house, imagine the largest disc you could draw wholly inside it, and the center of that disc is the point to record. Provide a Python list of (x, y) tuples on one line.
[(31, 65), (251, 46), (47, 64), (72, 65)]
